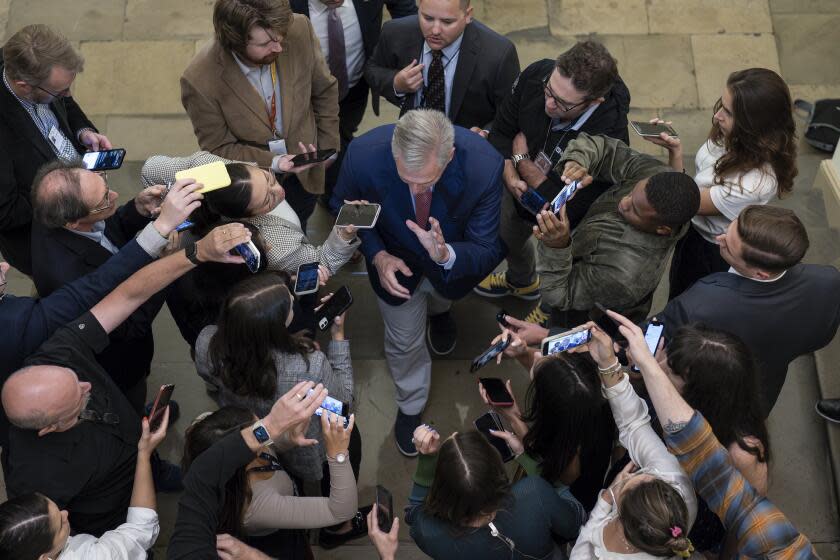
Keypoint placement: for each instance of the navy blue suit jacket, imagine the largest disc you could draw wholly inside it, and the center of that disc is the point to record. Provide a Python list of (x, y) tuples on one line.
[(466, 202)]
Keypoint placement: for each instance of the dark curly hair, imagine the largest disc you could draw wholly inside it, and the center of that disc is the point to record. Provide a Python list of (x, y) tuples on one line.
[(763, 131), (674, 196), (591, 68)]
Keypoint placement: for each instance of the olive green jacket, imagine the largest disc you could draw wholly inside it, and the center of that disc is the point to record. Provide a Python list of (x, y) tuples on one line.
[(608, 261)]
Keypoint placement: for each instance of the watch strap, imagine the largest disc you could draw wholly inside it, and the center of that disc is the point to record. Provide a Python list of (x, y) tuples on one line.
[(261, 433), (191, 252)]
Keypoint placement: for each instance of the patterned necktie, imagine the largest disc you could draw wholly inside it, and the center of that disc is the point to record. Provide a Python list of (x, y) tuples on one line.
[(435, 93), (338, 56), (422, 207)]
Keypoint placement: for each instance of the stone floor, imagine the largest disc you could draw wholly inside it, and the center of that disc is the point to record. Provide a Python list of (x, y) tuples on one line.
[(674, 56)]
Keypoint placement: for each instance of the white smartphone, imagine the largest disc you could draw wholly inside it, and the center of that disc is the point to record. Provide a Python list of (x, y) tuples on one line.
[(306, 281), (652, 129), (564, 341), (362, 216)]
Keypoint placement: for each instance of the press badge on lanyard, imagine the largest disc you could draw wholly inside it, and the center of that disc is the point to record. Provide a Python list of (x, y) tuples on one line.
[(275, 145)]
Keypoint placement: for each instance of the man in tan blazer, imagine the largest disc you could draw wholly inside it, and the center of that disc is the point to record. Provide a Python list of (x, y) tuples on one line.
[(260, 87)]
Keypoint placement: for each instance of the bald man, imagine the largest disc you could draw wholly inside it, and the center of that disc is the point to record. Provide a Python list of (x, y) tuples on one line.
[(74, 434)]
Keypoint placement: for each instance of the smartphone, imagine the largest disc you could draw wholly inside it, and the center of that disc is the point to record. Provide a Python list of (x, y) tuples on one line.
[(653, 334), (335, 406), (497, 393), (161, 402), (185, 225), (306, 280), (384, 509), (491, 421), (363, 216), (500, 318), (335, 306), (310, 157), (563, 196), (607, 324), (103, 161), (532, 201), (249, 252), (652, 129), (488, 355), (564, 341)]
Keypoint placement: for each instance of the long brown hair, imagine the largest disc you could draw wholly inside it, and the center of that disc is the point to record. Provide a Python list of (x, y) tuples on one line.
[(763, 131)]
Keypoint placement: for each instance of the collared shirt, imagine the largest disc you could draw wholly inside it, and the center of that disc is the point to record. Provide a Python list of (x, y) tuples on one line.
[(132, 539), (450, 262), (733, 271), (260, 78), (354, 47), (63, 148), (450, 63), (559, 126), (761, 528), (97, 234)]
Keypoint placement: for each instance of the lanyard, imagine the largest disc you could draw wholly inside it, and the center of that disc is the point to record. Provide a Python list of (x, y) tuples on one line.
[(576, 126), (272, 113)]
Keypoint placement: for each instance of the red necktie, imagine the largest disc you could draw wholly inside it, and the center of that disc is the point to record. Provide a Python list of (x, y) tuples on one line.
[(422, 206)]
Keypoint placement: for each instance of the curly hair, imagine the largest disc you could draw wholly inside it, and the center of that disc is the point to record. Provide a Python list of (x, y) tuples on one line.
[(591, 68), (763, 132)]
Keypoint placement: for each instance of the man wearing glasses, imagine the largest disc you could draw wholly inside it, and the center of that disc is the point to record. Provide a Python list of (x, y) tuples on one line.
[(39, 122), (551, 102), (77, 227), (261, 88)]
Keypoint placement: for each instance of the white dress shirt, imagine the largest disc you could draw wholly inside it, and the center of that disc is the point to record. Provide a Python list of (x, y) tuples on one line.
[(354, 47), (129, 541)]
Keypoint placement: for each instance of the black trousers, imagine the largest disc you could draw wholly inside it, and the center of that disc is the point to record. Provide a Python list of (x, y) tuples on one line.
[(694, 258), (302, 201), (351, 111)]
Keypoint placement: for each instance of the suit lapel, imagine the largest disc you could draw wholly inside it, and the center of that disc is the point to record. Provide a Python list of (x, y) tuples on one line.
[(19, 120), (287, 93), (467, 59), (448, 191), (240, 86), (91, 252)]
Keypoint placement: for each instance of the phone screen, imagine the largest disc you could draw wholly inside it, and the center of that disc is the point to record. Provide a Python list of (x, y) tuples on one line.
[(652, 129), (359, 215), (599, 315), (161, 402), (101, 161), (563, 196), (335, 306), (384, 508), (185, 225), (309, 157), (491, 421), (565, 342), (653, 334), (307, 278), (488, 355), (532, 201), (249, 252), (496, 390)]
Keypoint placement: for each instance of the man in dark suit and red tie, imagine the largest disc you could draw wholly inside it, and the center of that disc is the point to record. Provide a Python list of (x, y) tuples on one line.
[(437, 236)]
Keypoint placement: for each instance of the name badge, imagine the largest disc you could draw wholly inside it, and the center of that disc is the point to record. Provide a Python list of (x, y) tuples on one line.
[(278, 147), (55, 137), (543, 162)]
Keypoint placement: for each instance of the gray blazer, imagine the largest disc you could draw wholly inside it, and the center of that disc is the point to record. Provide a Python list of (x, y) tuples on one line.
[(334, 370)]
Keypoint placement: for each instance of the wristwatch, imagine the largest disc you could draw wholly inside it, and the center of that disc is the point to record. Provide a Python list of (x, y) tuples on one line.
[(191, 252), (261, 433), (516, 158), (339, 457)]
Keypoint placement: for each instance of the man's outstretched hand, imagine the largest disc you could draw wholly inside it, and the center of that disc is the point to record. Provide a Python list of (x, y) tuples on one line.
[(432, 240)]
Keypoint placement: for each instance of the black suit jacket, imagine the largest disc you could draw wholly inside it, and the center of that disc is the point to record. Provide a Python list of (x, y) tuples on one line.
[(779, 321), (487, 66), (369, 13), (60, 256), (23, 149)]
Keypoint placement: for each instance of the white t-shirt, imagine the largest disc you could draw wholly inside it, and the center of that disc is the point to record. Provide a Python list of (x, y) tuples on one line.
[(757, 186)]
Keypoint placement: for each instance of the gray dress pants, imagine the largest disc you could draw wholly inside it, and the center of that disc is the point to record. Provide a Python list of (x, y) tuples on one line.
[(518, 236)]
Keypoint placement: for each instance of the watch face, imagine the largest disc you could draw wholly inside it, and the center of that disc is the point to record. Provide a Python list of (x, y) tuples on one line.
[(261, 434)]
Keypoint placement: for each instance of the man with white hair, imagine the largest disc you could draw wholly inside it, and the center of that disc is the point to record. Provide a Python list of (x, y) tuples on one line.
[(436, 238)]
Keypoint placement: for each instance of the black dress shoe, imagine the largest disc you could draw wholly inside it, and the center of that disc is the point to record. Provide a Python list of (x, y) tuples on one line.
[(829, 409), (359, 528), (404, 432), (441, 333)]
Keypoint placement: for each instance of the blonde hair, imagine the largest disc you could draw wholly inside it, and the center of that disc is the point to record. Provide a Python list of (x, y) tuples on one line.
[(31, 53)]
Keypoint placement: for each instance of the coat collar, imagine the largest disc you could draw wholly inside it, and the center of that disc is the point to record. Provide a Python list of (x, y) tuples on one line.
[(467, 60)]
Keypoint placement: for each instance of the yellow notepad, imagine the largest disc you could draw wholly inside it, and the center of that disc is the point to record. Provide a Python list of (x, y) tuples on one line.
[(212, 175)]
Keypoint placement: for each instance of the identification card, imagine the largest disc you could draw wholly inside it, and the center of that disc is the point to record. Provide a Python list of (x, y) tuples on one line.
[(278, 147), (543, 162), (55, 137)]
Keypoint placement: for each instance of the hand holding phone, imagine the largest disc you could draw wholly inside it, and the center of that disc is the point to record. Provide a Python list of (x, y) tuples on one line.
[(307, 278), (103, 160), (337, 304), (384, 508), (492, 421), (653, 334), (532, 201), (362, 216), (481, 360), (249, 252), (313, 157), (607, 324), (161, 403), (496, 391), (565, 341), (653, 129)]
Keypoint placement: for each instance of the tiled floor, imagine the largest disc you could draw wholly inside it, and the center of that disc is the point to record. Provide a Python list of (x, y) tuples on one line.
[(674, 56)]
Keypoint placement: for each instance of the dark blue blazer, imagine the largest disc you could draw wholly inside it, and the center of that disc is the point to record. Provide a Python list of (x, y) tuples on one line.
[(779, 321), (466, 202), (27, 322)]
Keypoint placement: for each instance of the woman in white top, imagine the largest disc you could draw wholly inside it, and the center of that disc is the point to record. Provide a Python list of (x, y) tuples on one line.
[(650, 507), (749, 158), (33, 528)]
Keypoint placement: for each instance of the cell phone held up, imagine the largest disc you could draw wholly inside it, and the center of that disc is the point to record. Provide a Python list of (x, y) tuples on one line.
[(313, 157), (481, 360), (104, 160), (492, 421), (361, 216), (341, 300), (565, 341), (652, 130), (384, 509), (653, 334), (306, 281), (249, 253), (496, 391), (161, 402), (532, 201), (607, 324)]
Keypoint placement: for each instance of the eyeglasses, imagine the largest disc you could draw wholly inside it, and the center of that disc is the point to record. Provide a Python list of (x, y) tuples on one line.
[(105, 203), (566, 107), (63, 93)]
